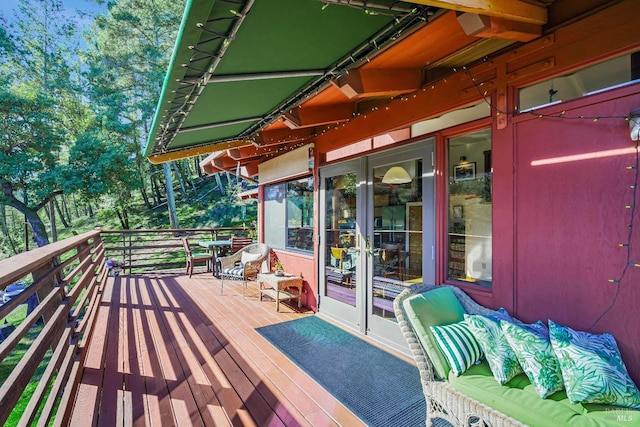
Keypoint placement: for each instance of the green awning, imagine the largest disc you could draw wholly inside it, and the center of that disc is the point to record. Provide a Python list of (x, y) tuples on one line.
[(237, 65)]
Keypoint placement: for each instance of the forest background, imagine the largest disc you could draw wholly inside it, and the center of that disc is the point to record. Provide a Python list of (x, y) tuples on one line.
[(78, 91)]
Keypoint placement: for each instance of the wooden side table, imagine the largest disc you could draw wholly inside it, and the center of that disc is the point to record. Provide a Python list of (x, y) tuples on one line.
[(279, 287)]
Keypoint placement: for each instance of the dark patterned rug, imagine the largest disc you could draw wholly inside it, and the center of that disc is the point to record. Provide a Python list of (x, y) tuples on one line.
[(378, 387)]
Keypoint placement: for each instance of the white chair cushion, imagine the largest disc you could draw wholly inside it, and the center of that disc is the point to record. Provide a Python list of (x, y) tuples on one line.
[(248, 257)]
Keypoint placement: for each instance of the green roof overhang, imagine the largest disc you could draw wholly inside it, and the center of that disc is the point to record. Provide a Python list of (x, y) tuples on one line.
[(237, 65)]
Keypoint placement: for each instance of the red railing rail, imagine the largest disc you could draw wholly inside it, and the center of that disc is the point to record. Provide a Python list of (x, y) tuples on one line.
[(160, 249), (66, 277), (43, 351)]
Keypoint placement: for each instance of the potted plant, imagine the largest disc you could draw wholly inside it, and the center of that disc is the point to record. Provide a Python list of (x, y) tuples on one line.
[(279, 271)]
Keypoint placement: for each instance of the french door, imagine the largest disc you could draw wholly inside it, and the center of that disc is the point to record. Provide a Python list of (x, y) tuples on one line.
[(376, 236)]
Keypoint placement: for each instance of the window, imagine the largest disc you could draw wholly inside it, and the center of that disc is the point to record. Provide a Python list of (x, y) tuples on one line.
[(469, 223), (288, 214), (599, 77)]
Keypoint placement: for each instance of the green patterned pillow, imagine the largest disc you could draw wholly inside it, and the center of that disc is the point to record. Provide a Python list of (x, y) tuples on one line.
[(592, 368), (458, 346), (533, 350), (502, 360)]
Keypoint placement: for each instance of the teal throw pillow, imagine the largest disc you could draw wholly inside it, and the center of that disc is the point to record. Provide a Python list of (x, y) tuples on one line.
[(436, 307), (458, 345), (533, 350), (592, 368), (502, 360)]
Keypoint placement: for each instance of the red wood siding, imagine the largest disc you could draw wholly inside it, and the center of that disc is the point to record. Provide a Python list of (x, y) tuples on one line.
[(569, 218), (305, 266)]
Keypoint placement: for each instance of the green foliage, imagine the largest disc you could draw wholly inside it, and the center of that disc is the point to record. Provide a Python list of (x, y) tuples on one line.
[(29, 140), (228, 211), (74, 119), (97, 168)]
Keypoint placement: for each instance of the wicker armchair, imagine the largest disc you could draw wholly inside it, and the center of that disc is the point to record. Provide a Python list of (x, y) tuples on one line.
[(446, 406), (244, 264)]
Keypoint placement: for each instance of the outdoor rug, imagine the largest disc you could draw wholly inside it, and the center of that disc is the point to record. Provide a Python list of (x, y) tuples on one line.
[(379, 388)]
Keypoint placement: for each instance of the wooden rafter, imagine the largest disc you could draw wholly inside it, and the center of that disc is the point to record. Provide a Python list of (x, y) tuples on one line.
[(279, 136), (318, 116), (498, 28), (379, 82), (245, 152), (513, 10)]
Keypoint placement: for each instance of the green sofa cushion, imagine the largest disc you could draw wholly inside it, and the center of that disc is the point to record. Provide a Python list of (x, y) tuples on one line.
[(433, 308), (519, 399)]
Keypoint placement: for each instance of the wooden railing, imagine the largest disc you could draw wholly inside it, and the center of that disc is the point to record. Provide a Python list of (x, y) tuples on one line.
[(46, 348), (150, 250), (43, 347)]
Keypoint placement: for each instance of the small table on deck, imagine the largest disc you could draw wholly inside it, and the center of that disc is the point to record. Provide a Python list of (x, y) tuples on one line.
[(215, 246), (279, 287)]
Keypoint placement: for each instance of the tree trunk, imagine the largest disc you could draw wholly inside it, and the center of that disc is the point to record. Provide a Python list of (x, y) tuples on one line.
[(178, 176), (192, 181), (157, 190), (122, 218), (64, 213), (60, 211), (125, 215), (39, 231), (219, 181), (31, 216), (52, 220), (196, 165), (75, 205), (5, 229), (145, 197), (171, 200)]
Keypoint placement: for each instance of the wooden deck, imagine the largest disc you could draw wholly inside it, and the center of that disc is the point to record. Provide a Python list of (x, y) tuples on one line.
[(169, 350)]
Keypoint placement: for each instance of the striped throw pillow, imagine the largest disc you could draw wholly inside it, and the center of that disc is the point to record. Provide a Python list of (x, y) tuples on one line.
[(458, 345)]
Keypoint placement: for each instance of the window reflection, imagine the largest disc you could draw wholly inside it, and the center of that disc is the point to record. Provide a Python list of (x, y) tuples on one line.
[(341, 255), (469, 225), (288, 208)]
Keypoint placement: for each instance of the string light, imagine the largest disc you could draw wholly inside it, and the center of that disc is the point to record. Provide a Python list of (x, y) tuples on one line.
[(362, 115)]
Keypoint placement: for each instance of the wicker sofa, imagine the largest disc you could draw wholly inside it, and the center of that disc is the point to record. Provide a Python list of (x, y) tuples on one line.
[(448, 401)]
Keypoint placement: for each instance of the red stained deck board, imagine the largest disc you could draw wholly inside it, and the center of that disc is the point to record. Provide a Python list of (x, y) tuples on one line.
[(289, 380), (170, 350), (182, 398), (298, 387)]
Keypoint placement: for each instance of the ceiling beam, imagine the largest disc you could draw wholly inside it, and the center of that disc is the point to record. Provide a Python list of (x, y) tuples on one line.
[(379, 82), (208, 168), (242, 153), (318, 116), (514, 10), (498, 28), (280, 136)]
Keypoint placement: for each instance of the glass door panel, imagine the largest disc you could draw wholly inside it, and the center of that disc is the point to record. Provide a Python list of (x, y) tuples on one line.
[(402, 233), (341, 290), (376, 222), (397, 232), (341, 257)]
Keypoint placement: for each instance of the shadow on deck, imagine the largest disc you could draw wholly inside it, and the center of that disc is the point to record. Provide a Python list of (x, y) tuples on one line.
[(170, 350)]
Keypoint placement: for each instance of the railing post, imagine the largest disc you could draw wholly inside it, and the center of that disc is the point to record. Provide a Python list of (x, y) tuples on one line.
[(48, 287), (130, 256)]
